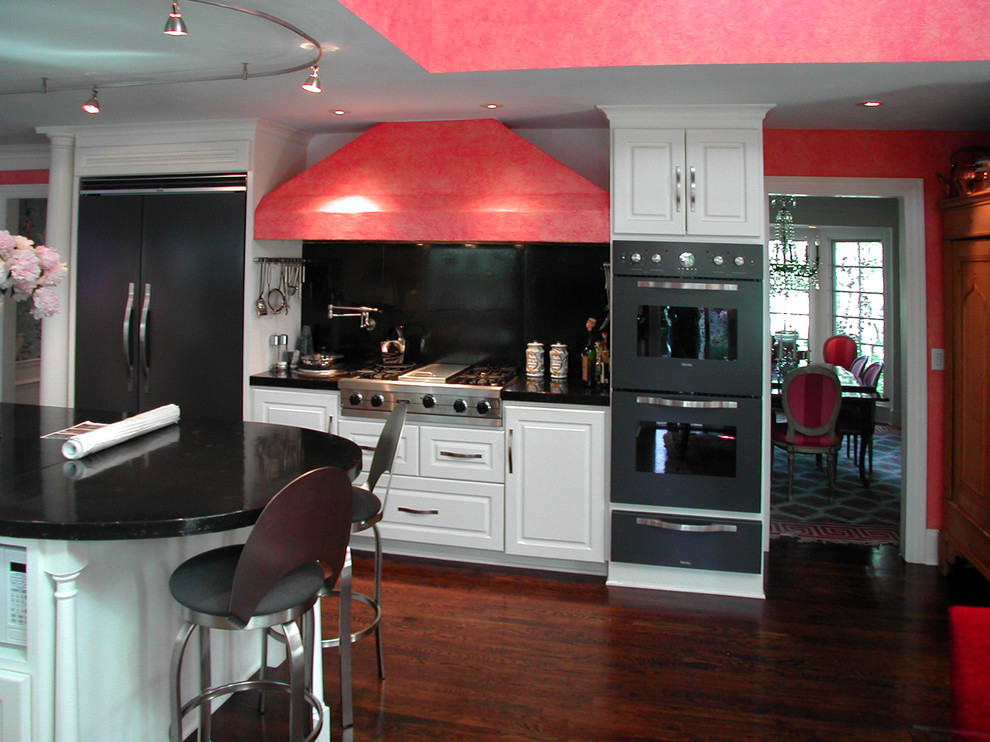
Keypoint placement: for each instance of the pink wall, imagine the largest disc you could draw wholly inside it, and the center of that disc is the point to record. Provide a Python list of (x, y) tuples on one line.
[(889, 154), (23, 177), (471, 35)]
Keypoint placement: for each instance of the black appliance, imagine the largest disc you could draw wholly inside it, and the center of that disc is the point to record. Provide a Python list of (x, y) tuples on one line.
[(687, 352), (160, 282)]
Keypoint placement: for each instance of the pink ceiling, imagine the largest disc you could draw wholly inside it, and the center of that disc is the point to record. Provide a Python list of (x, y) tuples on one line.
[(473, 35), (436, 181)]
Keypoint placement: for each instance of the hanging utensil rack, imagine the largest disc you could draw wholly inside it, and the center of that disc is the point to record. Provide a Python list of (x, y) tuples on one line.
[(291, 274)]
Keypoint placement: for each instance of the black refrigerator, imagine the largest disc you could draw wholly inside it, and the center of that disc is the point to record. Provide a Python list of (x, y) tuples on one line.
[(160, 297)]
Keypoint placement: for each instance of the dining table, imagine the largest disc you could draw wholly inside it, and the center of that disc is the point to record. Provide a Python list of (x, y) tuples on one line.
[(857, 408), (94, 541)]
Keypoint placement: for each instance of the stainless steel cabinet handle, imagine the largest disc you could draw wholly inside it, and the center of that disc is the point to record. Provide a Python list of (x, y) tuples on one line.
[(694, 184), (414, 511), (510, 451), (687, 528), (143, 333), (690, 404), (677, 188), (126, 332), (689, 285), (454, 455)]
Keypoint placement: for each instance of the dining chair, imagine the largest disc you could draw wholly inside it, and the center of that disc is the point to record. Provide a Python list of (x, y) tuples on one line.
[(810, 396), (857, 366), (839, 350), (368, 510), (295, 549)]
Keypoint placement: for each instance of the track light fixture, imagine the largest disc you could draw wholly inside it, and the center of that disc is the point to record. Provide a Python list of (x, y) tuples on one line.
[(312, 84), (175, 26), (92, 105)]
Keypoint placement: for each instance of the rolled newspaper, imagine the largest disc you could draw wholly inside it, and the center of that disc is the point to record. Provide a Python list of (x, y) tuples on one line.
[(110, 435), (99, 462)]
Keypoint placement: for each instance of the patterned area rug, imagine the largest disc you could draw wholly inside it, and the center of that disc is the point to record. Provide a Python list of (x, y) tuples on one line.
[(853, 514)]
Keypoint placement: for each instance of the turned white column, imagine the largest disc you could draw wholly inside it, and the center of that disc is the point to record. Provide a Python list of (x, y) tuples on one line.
[(56, 380), (65, 561)]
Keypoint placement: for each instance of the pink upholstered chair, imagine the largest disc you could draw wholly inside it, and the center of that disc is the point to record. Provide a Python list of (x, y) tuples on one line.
[(810, 396), (839, 350), (858, 365)]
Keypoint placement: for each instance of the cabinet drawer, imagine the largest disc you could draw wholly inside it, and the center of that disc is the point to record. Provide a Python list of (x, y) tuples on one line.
[(462, 453), (365, 433), (693, 543), (449, 513)]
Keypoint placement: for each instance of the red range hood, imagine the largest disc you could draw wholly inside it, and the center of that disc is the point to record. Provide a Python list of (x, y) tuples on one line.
[(436, 181)]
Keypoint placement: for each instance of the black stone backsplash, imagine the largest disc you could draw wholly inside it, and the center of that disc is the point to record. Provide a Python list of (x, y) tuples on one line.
[(488, 300)]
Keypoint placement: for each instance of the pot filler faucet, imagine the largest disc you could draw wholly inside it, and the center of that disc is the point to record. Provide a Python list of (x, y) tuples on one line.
[(367, 323)]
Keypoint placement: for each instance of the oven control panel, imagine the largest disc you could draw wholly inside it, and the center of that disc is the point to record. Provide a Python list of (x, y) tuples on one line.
[(680, 259)]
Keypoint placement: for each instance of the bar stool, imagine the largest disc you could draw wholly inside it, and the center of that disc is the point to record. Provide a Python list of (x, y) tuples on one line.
[(273, 580), (368, 511)]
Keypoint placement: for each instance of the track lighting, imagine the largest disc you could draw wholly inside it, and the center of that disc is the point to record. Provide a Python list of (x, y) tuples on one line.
[(175, 26), (312, 83), (92, 105)]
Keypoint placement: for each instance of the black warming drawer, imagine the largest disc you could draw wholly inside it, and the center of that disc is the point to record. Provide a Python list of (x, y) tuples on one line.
[(692, 543)]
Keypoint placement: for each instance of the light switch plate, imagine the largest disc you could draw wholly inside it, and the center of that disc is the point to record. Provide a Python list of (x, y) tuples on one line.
[(938, 359)]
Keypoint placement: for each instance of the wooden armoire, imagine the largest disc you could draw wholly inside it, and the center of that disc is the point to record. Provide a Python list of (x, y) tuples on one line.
[(966, 499)]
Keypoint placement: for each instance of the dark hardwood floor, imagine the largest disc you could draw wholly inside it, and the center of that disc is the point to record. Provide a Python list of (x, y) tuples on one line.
[(850, 644)]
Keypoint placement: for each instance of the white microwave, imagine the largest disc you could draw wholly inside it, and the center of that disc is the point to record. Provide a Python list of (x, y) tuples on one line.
[(13, 596)]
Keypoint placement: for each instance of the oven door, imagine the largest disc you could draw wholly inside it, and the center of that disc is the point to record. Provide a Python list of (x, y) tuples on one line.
[(686, 451), (696, 336)]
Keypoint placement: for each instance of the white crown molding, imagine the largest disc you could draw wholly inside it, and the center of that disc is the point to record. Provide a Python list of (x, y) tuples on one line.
[(24, 157)]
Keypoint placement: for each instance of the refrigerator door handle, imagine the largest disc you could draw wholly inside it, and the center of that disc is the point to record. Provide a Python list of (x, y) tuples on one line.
[(126, 331), (143, 333)]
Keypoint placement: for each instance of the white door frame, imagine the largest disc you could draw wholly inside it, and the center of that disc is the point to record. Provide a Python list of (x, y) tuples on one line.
[(918, 544)]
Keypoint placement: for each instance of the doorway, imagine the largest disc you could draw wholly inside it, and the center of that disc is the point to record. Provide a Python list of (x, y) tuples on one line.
[(918, 545), (23, 211)]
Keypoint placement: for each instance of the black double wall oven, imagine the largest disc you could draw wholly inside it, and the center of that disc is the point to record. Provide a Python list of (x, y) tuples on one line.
[(687, 345)]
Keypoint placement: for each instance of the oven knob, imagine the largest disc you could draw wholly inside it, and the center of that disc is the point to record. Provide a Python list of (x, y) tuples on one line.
[(686, 259), (655, 258), (484, 406), (429, 401), (377, 401), (739, 260), (635, 257), (718, 260), (460, 405), (355, 399)]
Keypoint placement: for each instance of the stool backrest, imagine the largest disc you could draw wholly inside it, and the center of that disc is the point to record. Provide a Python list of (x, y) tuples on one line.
[(388, 443), (308, 520), (871, 376)]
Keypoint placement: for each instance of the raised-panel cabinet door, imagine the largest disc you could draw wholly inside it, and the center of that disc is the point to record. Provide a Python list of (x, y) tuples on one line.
[(314, 410), (648, 181), (724, 189), (555, 483)]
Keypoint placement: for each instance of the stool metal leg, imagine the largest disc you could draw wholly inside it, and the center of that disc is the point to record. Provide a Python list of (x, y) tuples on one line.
[(297, 678), (175, 687), (205, 681), (344, 631), (378, 601)]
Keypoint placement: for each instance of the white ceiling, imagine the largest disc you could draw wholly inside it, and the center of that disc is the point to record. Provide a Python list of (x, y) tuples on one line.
[(78, 44)]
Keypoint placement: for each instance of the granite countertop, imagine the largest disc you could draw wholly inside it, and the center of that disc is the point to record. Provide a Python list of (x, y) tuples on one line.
[(524, 389), (195, 477)]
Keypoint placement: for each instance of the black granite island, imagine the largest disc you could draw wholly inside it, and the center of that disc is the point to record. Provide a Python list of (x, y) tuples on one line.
[(99, 537)]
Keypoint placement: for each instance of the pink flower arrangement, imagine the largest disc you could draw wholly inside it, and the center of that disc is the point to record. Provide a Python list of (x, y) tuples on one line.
[(29, 270)]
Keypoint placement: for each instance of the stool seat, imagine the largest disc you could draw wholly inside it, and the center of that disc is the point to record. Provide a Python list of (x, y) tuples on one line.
[(202, 585), (366, 505)]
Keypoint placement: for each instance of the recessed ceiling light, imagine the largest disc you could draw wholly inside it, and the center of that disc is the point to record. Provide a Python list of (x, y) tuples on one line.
[(870, 103), (340, 112), (491, 105)]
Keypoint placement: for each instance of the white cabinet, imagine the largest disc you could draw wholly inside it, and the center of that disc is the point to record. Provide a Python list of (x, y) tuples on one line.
[(365, 432), (555, 501), (302, 408), (687, 172)]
